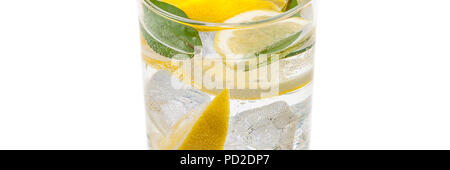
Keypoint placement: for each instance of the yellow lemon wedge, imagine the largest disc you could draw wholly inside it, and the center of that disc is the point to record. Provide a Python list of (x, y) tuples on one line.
[(210, 130), (218, 11)]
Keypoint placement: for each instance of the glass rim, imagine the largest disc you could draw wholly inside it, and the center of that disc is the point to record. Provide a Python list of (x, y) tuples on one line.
[(177, 18)]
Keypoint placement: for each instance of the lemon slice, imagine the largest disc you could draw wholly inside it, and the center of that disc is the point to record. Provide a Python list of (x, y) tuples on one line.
[(219, 10), (293, 73), (244, 43), (210, 130), (280, 3), (155, 60)]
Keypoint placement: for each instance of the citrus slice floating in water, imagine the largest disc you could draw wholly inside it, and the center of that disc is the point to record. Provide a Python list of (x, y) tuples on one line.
[(244, 43), (218, 11)]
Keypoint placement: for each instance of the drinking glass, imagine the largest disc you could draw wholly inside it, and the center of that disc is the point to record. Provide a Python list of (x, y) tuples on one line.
[(220, 77)]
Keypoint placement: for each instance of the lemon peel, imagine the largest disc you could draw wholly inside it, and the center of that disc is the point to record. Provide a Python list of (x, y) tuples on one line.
[(218, 11)]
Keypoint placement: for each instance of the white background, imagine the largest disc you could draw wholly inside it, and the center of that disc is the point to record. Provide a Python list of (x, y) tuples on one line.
[(70, 75)]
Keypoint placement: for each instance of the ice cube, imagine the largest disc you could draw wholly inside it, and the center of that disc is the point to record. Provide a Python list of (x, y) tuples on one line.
[(268, 127), (208, 50), (302, 133), (168, 101), (303, 108)]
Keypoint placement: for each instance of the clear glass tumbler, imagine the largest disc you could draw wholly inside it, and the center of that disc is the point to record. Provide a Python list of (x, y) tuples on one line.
[(227, 74)]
